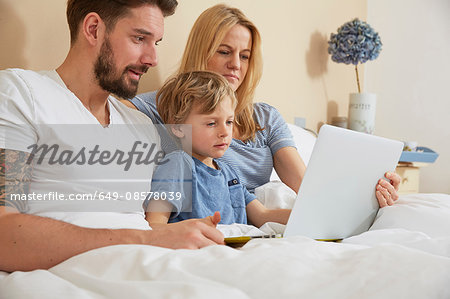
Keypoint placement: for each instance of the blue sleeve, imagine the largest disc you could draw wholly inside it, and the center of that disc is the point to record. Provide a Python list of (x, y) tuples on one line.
[(249, 197), (172, 182), (277, 132), (146, 103)]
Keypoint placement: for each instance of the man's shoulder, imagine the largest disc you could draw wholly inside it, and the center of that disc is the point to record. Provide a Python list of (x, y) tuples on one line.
[(22, 74), (135, 116), (20, 79), (21, 86), (16, 72)]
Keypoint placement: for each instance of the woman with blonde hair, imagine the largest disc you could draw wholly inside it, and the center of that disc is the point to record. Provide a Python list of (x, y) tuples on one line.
[(225, 41)]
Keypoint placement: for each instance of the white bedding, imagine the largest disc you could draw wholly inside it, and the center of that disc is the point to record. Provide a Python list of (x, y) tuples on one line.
[(406, 254)]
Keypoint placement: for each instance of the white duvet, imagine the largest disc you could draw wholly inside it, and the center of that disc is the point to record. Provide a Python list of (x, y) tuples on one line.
[(406, 254)]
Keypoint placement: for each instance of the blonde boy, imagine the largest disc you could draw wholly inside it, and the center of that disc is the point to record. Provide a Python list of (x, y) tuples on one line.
[(191, 183)]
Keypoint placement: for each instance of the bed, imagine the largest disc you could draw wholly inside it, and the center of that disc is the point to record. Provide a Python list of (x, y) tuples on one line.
[(405, 254)]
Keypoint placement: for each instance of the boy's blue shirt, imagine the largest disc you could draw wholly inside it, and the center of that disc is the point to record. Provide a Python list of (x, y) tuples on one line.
[(252, 159), (203, 190)]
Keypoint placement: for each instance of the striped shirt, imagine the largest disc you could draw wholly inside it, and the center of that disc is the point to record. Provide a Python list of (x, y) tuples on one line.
[(252, 160)]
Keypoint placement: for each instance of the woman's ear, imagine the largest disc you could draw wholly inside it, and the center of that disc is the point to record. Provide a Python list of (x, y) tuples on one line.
[(177, 130)]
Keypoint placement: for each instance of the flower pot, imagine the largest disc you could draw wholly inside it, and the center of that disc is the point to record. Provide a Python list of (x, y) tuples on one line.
[(361, 112)]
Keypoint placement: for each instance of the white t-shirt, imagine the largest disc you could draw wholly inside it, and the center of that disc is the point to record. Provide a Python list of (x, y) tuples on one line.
[(83, 173)]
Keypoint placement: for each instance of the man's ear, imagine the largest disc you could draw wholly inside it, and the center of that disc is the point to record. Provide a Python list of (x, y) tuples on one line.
[(177, 130), (93, 28)]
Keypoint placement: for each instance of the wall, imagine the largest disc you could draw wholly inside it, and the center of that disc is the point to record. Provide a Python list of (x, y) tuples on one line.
[(33, 34), (299, 77), (411, 80)]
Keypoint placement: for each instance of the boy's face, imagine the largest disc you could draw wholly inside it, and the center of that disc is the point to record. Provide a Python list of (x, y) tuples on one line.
[(211, 133)]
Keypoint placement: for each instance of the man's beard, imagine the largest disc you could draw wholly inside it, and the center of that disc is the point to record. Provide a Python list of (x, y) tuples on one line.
[(108, 75)]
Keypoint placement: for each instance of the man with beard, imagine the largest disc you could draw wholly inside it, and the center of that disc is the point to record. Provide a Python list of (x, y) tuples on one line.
[(113, 43)]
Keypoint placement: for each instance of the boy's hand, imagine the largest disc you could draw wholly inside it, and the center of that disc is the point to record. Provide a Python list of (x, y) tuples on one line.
[(212, 220)]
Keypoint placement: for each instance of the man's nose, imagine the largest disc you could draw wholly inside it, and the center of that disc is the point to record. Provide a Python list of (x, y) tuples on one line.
[(150, 57)]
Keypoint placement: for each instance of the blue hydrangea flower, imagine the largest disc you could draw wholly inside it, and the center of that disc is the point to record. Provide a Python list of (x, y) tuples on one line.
[(355, 42)]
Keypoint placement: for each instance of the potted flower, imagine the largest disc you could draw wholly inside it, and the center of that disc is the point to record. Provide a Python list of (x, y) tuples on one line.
[(356, 42)]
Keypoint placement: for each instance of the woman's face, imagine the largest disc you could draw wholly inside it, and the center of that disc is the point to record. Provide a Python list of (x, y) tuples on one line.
[(232, 57)]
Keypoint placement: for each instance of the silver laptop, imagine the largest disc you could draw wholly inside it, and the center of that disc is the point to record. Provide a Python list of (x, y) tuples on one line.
[(337, 198)]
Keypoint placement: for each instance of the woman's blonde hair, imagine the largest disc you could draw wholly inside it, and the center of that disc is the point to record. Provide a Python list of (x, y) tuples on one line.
[(176, 97), (205, 38)]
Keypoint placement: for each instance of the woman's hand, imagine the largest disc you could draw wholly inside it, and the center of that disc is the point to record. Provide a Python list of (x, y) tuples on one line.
[(386, 191)]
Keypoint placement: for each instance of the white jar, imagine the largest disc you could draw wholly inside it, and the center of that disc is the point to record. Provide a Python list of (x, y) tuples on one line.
[(361, 112)]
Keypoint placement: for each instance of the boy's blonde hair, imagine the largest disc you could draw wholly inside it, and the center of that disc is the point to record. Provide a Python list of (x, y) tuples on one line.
[(206, 35), (177, 96)]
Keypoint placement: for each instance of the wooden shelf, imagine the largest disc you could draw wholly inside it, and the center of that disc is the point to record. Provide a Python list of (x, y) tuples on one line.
[(410, 179)]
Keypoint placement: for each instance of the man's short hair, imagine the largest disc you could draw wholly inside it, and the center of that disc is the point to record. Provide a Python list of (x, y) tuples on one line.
[(177, 96), (110, 11)]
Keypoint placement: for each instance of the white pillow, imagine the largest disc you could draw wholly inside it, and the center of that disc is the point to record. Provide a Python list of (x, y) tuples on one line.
[(425, 213), (304, 141)]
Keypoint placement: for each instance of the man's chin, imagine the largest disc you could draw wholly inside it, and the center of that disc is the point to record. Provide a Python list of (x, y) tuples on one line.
[(127, 92), (134, 84), (124, 94)]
